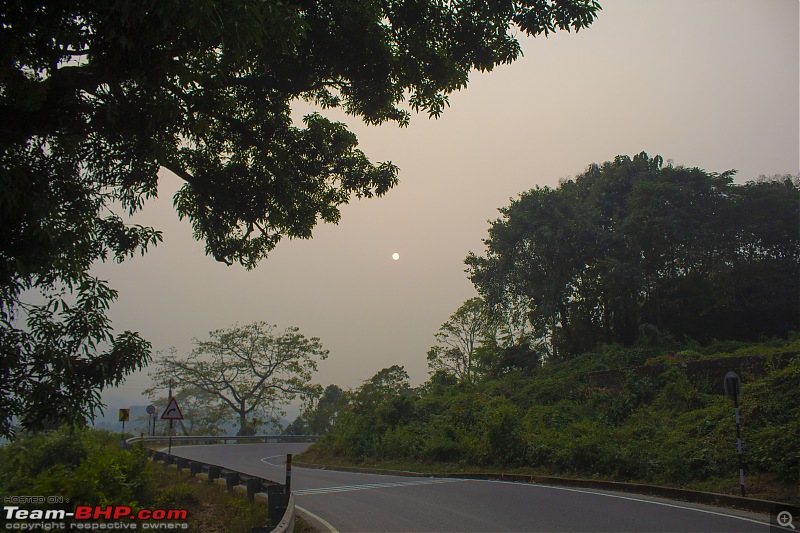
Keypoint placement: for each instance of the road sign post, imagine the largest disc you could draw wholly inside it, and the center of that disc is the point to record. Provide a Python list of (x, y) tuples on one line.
[(124, 416), (172, 412), (732, 387), (151, 420)]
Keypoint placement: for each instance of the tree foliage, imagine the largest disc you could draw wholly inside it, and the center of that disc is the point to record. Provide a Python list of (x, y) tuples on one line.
[(632, 245), (365, 414), (106, 94), (668, 425), (459, 340), (248, 369), (97, 97), (81, 466), (320, 414)]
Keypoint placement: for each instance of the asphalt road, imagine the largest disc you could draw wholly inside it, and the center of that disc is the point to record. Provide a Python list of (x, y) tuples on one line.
[(351, 502)]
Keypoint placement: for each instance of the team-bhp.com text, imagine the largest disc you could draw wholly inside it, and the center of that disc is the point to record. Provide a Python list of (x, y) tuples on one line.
[(89, 517)]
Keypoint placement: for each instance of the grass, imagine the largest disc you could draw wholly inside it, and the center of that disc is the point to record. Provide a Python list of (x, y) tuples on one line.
[(210, 507)]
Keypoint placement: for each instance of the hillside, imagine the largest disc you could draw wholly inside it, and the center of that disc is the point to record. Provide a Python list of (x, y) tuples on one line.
[(664, 421)]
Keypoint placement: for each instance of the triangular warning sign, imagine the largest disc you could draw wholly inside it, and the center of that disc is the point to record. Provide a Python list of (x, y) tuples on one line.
[(172, 412)]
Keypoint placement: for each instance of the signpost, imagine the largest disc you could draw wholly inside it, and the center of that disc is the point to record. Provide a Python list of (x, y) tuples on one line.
[(172, 412), (732, 387), (124, 416), (151, 423)]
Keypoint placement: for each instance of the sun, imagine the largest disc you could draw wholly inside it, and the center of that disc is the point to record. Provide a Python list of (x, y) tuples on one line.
[(395, 256)]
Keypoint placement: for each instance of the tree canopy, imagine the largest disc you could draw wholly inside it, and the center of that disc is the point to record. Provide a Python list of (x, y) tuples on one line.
[(320, 413), (97, 97), (459, 340), (247, 369), (633, 248)]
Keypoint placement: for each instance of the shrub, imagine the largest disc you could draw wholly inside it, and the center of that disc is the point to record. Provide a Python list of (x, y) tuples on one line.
[(85, 466)]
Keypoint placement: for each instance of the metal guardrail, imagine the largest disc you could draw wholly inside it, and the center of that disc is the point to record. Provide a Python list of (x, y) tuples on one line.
[(224, 439), (279, 498)]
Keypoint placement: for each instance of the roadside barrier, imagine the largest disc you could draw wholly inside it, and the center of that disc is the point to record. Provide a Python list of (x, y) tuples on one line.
[(280, 501), (223, 439)]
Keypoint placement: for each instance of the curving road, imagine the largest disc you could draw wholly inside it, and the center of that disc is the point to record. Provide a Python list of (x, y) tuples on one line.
[(351, 502)]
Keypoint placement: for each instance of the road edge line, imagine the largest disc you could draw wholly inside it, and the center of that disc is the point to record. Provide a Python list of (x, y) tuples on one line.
[(712, 499), (319, 519)]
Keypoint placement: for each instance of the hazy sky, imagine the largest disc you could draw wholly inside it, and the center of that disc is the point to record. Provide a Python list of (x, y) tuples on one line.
[(706, 83)]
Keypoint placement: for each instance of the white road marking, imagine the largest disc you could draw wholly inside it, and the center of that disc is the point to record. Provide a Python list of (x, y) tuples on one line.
[(430, 481), (321, 520), (664, 504), (266, 462)]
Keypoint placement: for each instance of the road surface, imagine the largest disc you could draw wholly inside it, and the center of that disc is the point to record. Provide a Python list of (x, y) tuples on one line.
[(352, 502)]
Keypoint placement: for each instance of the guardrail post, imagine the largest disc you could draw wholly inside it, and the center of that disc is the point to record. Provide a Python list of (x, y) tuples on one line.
[(231, 480), (253, 486), (168, 459), (181, 463), (213, 473), (288, 486), (277, 501), (195, 467)]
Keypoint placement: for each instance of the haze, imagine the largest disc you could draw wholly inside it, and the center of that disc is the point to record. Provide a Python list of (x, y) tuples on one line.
[(711, 83)]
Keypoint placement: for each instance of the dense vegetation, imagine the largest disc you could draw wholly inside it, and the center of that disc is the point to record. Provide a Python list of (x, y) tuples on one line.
[(634, 245), (632, 266), (82, 466), (661, 428), (87, 467)]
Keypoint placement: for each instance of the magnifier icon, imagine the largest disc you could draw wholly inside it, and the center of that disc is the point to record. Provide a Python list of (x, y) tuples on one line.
[(785, 519)]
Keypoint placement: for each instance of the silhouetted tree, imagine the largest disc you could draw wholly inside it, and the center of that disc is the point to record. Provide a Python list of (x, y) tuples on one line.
[(633, 244), (98, 98)]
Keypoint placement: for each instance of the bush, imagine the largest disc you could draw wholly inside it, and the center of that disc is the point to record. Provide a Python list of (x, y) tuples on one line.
[(498, 434), (445, 447), (84, 466), (659, 428)]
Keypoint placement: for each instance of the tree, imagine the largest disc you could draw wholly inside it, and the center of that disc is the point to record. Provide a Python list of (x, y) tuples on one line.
[(535, 253), (390, 381), (633, 245), (97, 97), (459, 339), (320, 414), (383, 401), (247, 368)]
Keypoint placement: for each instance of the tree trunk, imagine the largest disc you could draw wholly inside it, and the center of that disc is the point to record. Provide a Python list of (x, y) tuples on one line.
[(244, 427)]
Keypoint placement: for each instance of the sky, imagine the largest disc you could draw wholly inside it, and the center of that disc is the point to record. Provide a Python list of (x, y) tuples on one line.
[(712, 84)]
